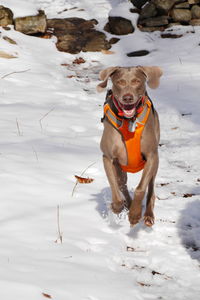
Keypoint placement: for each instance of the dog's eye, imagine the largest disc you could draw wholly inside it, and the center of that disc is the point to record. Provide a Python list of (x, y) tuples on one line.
[(121, 82), (135, 81)]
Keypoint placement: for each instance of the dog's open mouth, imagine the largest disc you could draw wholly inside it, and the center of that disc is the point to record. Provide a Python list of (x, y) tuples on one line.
[(128, 109)]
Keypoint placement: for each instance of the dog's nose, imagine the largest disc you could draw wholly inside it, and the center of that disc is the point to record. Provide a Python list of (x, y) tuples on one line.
[(127, 98)]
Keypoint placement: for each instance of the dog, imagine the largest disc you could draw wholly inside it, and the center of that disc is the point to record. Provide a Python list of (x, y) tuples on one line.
[(131, 137)]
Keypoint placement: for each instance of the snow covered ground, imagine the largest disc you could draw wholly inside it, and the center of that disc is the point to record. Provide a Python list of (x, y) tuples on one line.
[(50, 131)]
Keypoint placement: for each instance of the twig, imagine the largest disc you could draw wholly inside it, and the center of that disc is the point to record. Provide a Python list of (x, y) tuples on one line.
[(58, 224), (45, 117), (80, 176), (18, 128), (6, 75), (35, 153)]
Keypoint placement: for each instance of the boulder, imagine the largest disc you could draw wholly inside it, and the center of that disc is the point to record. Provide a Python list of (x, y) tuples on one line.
[(182, 5), (195, 12), (151, 29), (195, 22), (70, 25), (119, 26), (164, 5), (95, 41), (31, 24), (193, 1), (77, 34), (148, 11), (181, 15), (6, 16), (69, 43), (155, 22)]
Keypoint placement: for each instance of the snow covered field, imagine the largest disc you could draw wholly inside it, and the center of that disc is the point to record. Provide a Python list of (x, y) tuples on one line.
[(50, 131)]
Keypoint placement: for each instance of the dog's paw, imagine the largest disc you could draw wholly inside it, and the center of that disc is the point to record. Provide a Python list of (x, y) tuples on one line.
[(134, 218), (117, 207), (149, 220)]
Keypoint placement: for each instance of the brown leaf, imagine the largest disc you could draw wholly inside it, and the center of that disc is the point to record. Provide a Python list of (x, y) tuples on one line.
[(79, 61), (130, 249), (83, 179), (188, 195), (46, 295), (107, 52), (143, 284)]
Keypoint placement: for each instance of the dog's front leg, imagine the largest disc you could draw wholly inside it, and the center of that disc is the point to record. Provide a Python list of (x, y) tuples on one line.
[(148, 176), (117, 202)]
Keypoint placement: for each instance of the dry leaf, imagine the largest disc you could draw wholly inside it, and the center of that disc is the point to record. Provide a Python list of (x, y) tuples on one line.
[(107, 52), (83, 179), (79, 61), (6, 55), (130, 249), (188, 195), (46, 295)]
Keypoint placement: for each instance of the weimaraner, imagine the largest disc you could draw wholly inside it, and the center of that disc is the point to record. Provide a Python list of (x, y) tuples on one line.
[(128, 103)]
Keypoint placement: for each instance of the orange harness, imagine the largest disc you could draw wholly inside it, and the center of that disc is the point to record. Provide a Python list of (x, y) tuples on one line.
[(131, 132)]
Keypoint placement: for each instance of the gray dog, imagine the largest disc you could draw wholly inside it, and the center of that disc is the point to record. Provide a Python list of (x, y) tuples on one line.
[(130, 137)]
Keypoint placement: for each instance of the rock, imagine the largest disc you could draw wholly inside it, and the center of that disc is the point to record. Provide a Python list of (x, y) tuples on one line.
[(69, 43), (151, 29), (113, 41), (148, 11), (70, 25), (154, 22), (195, 12), (164, 5), (181, 15), (77, 34), (193, 1), (138, 53), (182, 5), (95, 41), (6, 16), (119, 26), (139, 3), (31, 24), (170, 35), (195, 22)]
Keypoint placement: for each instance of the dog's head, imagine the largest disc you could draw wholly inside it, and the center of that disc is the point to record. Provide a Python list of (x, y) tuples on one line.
[(129, 84)]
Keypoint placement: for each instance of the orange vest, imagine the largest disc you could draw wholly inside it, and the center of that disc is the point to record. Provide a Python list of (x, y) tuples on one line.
[(131, 132)]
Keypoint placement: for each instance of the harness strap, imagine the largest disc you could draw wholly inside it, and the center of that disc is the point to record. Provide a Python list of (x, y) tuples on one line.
[(131, 131)]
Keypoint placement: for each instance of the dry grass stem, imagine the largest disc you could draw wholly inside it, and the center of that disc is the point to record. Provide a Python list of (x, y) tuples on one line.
[(18, 128), (6, 75), (60, 237), (45, 116)]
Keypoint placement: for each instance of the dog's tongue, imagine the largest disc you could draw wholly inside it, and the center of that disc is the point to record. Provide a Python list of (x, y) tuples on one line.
[(128, 110), (129, 113)]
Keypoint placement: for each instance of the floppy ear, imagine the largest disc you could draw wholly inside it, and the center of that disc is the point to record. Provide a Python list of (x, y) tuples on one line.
[(104, 75), (153, 76)]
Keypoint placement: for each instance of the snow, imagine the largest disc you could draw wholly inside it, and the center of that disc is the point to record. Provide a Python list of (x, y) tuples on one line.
[(50, 131)]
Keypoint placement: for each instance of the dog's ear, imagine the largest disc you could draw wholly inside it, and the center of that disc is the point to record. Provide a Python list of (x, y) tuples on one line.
[(104, 75), (153, 75)]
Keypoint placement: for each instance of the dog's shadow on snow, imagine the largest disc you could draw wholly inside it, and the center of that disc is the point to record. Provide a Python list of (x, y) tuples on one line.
[(103, 200), (189, 229)]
